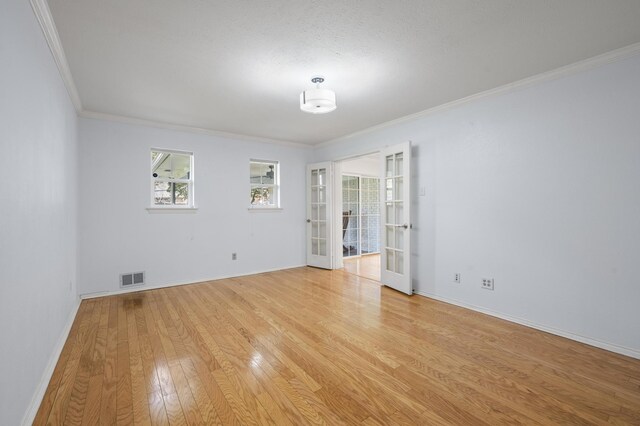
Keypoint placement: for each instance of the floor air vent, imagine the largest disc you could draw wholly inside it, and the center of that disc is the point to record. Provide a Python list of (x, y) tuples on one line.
[(134, 278)]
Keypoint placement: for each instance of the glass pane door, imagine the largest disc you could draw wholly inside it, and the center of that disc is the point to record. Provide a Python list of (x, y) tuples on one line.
[(370, 215), (360, 215), (350, 216), (395, 266), (318, 215)]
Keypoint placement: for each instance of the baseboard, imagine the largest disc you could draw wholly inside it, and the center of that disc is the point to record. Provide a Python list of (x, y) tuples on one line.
[(158, 286), (634, 353), (30, 415)]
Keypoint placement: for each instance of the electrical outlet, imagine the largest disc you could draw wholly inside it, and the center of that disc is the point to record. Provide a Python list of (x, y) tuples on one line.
[(456, 278), (487, 283), (234, 256)]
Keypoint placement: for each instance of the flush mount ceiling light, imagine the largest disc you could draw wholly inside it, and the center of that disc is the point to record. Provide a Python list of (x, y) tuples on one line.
[(318, 101)]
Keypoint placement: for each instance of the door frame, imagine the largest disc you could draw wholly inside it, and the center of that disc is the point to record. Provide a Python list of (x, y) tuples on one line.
[(336, 255)]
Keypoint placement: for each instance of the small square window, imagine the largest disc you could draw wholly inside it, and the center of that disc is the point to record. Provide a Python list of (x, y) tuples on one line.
[(264, 179), (171, 178)]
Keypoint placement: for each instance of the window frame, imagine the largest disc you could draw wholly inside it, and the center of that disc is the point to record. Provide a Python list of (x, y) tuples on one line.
[(275, 185), (190, 182)]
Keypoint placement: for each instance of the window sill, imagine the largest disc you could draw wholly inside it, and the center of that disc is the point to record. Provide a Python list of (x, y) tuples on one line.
[(170, 210), (265, 209)]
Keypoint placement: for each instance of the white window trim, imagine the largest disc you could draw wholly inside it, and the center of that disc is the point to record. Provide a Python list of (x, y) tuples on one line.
[(264, 209), (190, 183), (272, 207), (172, 209)]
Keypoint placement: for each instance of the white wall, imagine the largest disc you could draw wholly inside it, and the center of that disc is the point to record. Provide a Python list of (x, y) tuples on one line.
[(368, 165), (118, 234), (37, 212), (538, 188)]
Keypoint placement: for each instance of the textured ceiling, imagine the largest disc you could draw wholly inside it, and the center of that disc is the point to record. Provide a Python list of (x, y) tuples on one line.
[(238, 66)]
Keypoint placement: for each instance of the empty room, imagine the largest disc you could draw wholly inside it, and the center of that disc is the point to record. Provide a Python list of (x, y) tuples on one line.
[(337, 212)]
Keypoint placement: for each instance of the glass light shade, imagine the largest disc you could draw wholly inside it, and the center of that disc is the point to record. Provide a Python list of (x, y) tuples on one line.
[(318, 101)]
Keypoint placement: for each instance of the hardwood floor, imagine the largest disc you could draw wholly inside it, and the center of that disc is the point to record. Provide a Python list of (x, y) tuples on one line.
[(309, 346), (367, 266)]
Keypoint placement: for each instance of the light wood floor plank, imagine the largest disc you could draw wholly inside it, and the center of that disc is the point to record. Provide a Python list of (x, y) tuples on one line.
[(264, 371), (78, 397), (124, 399), (63, 395), (235, 363), (108, 411), (308, 359), (225, 378), (91, 414), (138, 388), (158, 337), (309, 346), (173, 346), (54, 384), (203, 369), (157, 411)]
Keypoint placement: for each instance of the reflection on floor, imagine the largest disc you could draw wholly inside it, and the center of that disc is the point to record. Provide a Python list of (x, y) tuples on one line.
[(367, 266), (309, 346)]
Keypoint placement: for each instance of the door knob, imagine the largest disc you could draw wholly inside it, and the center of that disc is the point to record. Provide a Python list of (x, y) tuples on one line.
[(308, 220)]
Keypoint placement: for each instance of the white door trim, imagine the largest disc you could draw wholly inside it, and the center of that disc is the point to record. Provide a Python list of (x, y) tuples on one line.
[(337, 216)]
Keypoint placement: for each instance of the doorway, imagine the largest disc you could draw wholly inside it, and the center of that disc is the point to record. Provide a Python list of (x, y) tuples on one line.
[(360, 190), (325, 215)]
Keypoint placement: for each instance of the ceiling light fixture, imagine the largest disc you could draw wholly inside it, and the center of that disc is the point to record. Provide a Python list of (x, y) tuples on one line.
[(318, 101)]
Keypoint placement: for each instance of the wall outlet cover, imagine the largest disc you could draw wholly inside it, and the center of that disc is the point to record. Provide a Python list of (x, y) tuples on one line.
[(487, 283)]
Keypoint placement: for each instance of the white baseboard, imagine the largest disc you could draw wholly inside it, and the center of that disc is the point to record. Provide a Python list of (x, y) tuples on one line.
[(31, 412), (634, 353), (135, 289)]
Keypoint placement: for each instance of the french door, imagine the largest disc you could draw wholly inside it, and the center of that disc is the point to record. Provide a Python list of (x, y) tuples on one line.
[(319, 214), (395, 209)]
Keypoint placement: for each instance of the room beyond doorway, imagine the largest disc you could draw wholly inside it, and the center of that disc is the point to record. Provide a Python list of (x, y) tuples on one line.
[(360, 215), (367, 266), (360, 210)]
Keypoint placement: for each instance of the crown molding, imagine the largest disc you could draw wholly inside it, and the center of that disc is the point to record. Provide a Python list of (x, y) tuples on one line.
[(48, 26), (45, 19), (188, 129), (43, 15), (576, 67)]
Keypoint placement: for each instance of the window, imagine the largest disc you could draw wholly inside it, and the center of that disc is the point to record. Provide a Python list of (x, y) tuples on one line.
[(171, 179), (264, 177)]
